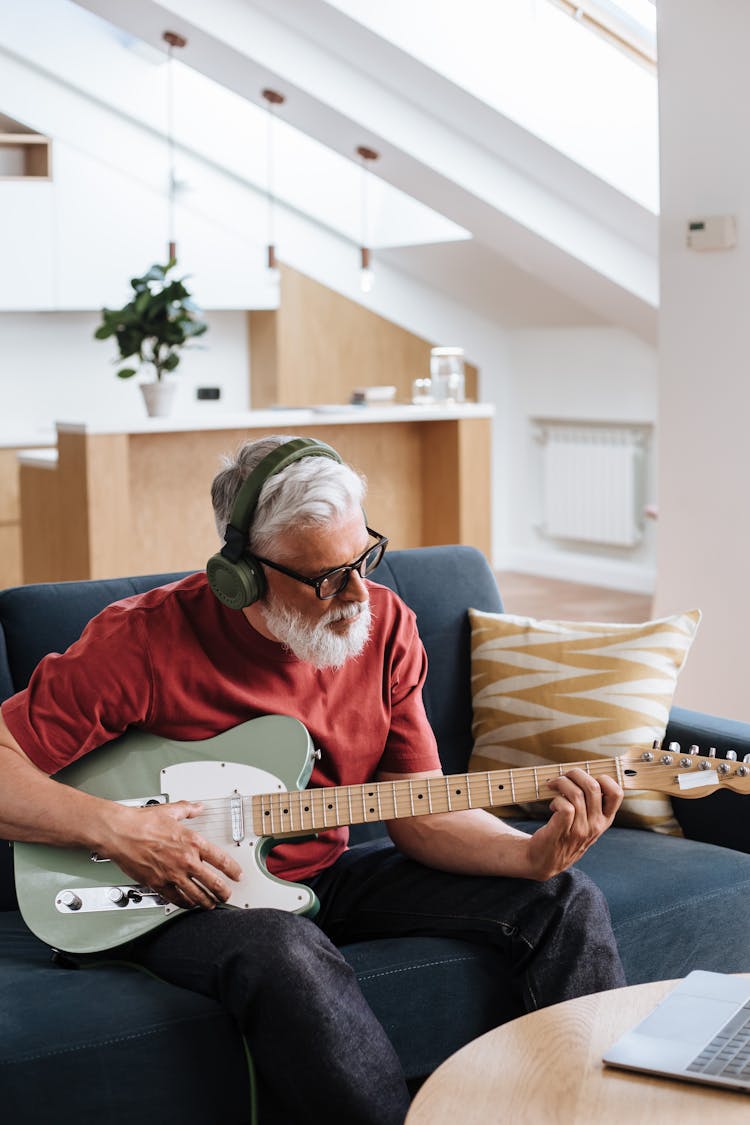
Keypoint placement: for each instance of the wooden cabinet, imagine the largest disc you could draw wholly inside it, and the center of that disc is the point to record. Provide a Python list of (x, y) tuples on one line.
[(24, 154), (138, 502), (10, 520)]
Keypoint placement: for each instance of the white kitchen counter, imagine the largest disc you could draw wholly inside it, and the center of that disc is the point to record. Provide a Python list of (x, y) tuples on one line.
[(283, 419)]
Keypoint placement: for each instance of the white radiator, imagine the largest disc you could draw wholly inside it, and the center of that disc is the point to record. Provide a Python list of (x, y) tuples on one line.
[(593, 483)]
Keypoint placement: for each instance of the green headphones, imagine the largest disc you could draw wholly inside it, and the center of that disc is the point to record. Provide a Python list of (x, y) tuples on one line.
[(236, 578)]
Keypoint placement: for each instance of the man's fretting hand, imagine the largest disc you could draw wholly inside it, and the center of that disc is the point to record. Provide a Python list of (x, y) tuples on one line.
[(582, 810)]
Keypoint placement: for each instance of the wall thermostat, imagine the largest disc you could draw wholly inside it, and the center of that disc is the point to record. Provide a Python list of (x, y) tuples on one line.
[(718, 232)]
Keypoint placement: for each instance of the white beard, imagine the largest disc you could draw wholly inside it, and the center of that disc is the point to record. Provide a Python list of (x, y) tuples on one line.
[(318, 644)]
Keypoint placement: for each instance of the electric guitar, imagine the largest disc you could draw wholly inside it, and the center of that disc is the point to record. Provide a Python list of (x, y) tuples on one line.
[(251, 782)]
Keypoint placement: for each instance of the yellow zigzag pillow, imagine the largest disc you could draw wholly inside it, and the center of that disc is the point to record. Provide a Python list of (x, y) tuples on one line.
[(569, 691)]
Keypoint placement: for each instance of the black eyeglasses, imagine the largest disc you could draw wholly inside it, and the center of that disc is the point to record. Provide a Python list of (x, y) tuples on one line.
[(331, 583)]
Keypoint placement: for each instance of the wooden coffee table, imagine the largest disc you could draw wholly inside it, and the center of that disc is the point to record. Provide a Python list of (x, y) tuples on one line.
[(546, 1067)]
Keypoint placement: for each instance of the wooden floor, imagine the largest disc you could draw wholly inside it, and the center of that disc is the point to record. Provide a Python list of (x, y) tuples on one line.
[(549, 598)]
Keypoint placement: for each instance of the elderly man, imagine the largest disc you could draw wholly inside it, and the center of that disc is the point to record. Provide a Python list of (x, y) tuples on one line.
[(286, 620)]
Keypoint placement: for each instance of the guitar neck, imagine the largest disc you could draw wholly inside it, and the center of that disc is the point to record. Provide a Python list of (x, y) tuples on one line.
[(313, 810)]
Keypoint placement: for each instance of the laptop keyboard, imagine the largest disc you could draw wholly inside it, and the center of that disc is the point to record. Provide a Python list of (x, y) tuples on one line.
[(728, 1053)]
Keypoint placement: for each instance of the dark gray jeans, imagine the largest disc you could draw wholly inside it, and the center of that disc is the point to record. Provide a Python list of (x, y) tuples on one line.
[(320, 1054)]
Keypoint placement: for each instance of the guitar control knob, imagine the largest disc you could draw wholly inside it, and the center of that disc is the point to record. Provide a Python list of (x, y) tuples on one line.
[(71, 900), (118, 896)]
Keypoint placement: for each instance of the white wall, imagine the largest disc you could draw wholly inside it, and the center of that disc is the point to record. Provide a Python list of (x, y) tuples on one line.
[(704, 526), (52, 369), (602, 374)]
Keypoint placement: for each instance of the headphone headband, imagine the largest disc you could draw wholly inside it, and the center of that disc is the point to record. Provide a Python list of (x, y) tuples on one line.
[(234, 576), (274, 462)]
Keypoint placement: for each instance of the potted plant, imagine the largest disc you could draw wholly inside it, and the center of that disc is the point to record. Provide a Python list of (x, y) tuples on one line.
[(159, 320)]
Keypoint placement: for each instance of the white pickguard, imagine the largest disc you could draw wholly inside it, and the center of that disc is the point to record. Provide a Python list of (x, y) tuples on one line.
[(209, 780)]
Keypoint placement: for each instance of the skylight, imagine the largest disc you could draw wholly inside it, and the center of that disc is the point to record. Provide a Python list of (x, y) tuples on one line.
[(534, 64)]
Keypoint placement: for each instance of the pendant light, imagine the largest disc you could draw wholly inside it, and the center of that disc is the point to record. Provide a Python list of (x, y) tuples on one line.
[(366, 276), (273, 99), (173, 39)]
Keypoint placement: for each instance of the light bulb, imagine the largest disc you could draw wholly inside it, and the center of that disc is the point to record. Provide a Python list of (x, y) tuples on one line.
[(366, 276), (366, 280)]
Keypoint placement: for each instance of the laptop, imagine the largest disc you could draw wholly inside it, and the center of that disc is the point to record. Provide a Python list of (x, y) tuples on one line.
[(699, 1032)]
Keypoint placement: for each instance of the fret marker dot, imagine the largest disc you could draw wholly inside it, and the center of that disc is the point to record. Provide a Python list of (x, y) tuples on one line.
[(458, 792), (420, 796), (330, 806)]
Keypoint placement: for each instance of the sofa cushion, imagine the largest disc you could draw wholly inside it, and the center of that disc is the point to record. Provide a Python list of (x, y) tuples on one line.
[(567, 691), (671, 900), (110, 1044)]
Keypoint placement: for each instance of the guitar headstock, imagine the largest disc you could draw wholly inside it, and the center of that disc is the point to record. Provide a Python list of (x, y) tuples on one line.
[(681, 773)]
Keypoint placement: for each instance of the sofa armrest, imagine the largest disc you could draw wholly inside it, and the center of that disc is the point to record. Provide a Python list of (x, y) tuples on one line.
[(721, 818)]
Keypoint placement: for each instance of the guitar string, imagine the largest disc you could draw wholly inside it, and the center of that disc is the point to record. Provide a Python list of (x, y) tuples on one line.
[(218, 809)]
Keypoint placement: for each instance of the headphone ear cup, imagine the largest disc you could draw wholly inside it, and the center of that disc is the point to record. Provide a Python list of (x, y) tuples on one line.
[(236, 585)]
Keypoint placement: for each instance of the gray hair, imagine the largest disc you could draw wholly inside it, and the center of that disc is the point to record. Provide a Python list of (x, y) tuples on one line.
[(311, 491)]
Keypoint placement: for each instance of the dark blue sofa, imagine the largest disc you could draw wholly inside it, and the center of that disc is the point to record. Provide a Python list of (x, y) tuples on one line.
[(112, 1044)]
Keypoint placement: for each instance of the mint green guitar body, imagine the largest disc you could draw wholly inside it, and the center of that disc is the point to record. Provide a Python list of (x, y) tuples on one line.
[(80, 904)]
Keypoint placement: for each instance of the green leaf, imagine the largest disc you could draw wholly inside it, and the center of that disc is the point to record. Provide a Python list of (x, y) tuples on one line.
[(126, 372), (171, 361), (104, 331)]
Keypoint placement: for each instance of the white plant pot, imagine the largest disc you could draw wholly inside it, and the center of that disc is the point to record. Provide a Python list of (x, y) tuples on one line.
[(159, 397)]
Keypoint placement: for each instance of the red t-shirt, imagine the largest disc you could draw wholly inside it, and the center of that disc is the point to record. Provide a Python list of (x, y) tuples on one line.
[(176, 662)]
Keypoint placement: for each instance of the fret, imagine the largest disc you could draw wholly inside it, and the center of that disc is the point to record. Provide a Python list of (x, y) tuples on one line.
[(325, 807), (365, 810)]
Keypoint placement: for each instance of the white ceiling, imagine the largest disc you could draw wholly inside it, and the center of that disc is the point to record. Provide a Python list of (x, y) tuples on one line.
[(500, 219)]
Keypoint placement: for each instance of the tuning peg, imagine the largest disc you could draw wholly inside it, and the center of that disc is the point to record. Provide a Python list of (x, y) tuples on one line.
[(712, 752), (694, 749), (674, 747), (731, 755), (746, 759)]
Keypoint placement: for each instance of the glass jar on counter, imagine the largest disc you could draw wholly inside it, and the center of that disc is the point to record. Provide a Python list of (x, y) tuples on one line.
[(447, 374)]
